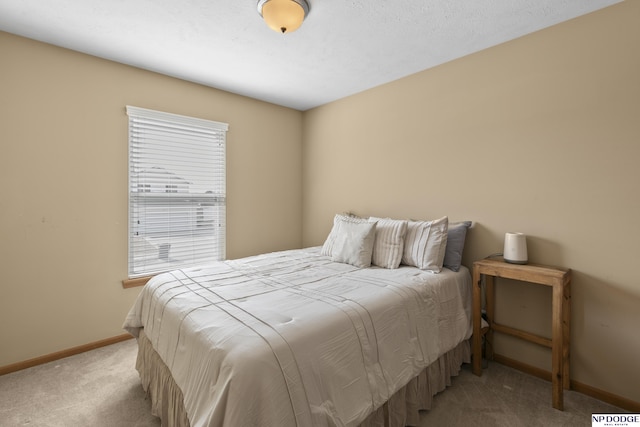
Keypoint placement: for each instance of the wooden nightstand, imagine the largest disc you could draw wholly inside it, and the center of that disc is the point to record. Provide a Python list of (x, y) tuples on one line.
[(560, 281)]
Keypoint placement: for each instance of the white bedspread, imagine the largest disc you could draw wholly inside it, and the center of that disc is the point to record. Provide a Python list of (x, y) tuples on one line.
[(293, 339)]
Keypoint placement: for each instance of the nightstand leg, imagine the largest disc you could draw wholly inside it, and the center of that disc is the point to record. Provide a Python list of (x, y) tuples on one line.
[(557, 356), (566, 335), (489, 282), (477, 335)]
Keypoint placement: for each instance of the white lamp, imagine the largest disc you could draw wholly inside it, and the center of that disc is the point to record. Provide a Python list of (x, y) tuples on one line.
[(283, 16), (515, 248)]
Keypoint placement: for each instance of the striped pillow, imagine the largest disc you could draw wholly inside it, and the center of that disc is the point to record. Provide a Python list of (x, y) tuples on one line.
[(425, 244), (389, 243)]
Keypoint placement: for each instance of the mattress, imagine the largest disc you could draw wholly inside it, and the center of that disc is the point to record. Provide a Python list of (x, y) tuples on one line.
[(293, 339)]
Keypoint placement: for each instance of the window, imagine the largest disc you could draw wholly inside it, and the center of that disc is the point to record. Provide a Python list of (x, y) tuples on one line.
[(177, 191)]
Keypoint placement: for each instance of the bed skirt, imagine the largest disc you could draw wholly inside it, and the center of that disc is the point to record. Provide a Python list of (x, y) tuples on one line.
[(402, 409)]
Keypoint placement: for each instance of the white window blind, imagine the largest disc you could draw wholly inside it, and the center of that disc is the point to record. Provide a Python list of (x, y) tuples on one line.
[(177, 191)]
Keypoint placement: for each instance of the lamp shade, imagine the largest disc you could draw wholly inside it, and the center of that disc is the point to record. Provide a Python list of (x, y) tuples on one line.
[(283, 16)]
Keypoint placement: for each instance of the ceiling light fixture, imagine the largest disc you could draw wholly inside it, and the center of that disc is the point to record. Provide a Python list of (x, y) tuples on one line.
[(283, 16)]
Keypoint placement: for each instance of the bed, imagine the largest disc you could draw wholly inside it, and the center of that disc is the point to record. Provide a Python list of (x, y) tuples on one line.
[(300, 338)]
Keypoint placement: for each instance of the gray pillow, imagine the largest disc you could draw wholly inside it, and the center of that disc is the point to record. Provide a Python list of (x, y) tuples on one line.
[(456, 235)]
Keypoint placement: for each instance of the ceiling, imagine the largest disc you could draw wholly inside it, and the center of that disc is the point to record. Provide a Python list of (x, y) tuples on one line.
[(343, 47)]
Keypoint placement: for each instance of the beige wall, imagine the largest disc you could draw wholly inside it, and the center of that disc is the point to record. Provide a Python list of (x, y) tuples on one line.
[(63, 203), (540, 135)]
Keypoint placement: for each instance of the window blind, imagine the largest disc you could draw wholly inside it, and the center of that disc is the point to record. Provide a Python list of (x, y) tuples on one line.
[(177, 191)]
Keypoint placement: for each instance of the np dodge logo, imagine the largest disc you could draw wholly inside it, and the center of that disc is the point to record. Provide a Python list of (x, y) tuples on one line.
[(615, 420)]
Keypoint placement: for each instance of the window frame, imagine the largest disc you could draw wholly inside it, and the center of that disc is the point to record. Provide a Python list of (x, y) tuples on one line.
[(160, 129)]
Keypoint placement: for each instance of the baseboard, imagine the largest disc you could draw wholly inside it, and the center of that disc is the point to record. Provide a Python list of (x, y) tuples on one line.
[(62, 354), (523, 367), (605, 396)]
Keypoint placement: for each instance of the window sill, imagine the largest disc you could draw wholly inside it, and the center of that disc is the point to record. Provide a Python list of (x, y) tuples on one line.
[(134, 283)]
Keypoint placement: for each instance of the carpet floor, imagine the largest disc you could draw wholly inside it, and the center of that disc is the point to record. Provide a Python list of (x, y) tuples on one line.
[(101, 388)]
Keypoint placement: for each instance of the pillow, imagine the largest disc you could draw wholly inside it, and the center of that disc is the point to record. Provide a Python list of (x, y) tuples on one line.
[(389, 242), (425, 244), (353, 242), (455, 244), (331, 238)]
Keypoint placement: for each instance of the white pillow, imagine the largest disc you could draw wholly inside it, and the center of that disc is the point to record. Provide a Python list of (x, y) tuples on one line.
[(425, 244), (389, 243), (354, 242), (331, 238)]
